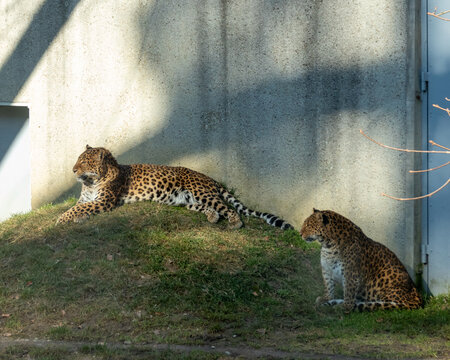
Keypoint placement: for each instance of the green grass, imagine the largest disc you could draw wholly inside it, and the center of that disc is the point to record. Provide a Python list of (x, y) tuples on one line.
[(98, 352), (152, 273)]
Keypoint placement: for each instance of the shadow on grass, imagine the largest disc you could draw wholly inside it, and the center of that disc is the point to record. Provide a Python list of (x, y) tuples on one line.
[(149, 272), (151, 260)]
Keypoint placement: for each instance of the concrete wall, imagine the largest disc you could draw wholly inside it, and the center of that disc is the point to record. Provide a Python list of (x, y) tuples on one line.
[(265, 96)]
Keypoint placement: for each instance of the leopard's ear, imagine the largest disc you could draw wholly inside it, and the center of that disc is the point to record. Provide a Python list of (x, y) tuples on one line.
[(88, 147), (325, 219), (101, 155)]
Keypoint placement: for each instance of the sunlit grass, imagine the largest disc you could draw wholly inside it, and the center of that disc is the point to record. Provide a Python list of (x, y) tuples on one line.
[(152, 273)]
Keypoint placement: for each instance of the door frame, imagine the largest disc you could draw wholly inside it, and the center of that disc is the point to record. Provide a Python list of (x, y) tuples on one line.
[(424, 130), (426, 245)]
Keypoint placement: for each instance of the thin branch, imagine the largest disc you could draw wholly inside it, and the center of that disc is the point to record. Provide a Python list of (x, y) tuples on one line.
[(418, 197), (447, 99), (447, 110), (439, 16), (442, 12), (436, 144), (405, 150), (435, 168)]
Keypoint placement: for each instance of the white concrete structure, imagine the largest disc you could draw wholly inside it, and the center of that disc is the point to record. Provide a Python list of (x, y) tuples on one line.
[(265, 96)]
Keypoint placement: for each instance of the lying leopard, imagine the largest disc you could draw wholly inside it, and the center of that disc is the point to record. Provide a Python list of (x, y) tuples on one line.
[(106, 185), (371, 275)]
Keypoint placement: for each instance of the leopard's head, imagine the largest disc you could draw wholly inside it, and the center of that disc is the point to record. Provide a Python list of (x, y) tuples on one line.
[(93, 164), (328, 228)]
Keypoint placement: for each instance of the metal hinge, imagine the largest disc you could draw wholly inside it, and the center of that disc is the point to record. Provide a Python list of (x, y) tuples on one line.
[(424, 81), (426, 250)]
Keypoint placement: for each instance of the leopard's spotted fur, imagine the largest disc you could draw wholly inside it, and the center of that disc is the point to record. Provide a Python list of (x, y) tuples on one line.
[(106, 185), (371, 275)]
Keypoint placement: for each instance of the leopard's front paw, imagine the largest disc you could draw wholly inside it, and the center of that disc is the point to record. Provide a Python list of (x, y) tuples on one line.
[(348, 307), (68, 217), (322, 300), (62, 220)]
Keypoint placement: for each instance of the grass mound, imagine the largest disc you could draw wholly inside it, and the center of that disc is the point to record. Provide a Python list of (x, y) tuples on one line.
[(153, 273)]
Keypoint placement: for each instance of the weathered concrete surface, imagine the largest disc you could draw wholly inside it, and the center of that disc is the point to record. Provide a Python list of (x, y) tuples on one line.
[(265, 96)]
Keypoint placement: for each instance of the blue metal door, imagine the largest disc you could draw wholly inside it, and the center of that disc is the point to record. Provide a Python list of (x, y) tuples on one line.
[(436, 242)]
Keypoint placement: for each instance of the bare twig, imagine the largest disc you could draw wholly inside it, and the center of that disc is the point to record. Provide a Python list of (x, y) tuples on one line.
[(447, 110), (418, 197), (442, 12), (439, 15), (435, 168), (405, 150), (417, 171), (436, 144), (447, 99)]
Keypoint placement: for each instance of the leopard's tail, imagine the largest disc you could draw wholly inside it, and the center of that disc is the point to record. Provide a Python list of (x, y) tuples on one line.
[(242, 209)]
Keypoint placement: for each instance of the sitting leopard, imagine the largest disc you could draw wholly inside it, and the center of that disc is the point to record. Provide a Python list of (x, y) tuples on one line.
[(106, 185), (371, 275)]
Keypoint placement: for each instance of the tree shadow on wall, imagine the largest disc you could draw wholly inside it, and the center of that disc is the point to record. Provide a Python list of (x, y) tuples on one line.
[(263, 128), (41, 32), (229, 97)]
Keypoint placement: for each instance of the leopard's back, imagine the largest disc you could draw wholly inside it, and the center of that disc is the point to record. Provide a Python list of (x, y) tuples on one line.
[(167, 184)]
